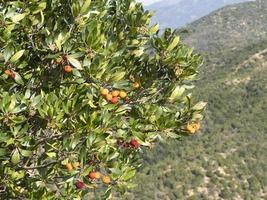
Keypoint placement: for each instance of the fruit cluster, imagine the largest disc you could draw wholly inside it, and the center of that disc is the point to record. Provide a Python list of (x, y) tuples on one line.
[(133, 144), (92, 176), (10, 73), (113, 96)]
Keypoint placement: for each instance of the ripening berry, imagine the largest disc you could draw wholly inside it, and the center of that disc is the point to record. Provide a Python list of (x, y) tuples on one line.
[(94, 175), (114, 100), (115, 93), (106, 179), (69, 166), (123, 94), (134, 143), (136, 85), (104, 91), (13, 75), (79, 185), (76, 165), (67, 69), (193, 127), (109, 97), (8, 72)]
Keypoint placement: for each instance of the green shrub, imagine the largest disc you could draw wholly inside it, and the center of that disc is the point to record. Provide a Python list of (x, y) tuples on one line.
[(62, 65)]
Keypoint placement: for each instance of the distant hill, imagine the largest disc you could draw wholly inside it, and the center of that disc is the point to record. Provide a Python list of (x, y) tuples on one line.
[(177, 13), (228, 159)]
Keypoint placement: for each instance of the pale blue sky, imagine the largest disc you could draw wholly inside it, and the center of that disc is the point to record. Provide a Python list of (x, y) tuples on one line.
[(148, 2)]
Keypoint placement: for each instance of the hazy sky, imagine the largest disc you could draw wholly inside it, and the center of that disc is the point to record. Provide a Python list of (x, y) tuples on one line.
[(147, 2)]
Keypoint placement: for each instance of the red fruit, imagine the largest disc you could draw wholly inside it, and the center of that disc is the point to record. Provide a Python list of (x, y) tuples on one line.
[(134, 143), (13, 75), (79, 184), (114, 100)]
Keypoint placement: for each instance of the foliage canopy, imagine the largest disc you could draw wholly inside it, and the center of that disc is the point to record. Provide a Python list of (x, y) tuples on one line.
[(60, 132)]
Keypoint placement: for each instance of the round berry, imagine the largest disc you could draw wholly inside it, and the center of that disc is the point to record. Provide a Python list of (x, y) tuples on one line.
[(67, 69)]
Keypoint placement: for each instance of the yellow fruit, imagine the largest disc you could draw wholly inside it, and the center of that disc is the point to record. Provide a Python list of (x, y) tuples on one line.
[(123, 94), (104, 91), (58, 60), (98, 175), (106, 179), (193, 127), (136, 85), (69, 166), (76, 165), (109, 97), (115, 93)]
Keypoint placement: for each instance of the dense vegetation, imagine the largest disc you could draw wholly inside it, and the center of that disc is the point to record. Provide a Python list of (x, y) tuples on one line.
[(85, 87), (228, 161)]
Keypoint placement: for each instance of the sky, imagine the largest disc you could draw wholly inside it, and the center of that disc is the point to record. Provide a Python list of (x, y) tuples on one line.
[(148, 2)]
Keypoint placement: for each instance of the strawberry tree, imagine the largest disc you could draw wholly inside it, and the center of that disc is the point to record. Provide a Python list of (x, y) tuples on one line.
[(86, 86)]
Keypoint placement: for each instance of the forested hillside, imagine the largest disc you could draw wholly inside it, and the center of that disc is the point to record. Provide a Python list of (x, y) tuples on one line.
[(177, 13), (228, 159)]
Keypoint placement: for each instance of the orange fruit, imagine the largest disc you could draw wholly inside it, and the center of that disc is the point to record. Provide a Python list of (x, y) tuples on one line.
[(67, 69), (69, 166), (94, 175), (106, 179), (104, 91), (109, 97), (136, 85), (123, 94), (193, 127), (8, 72), (115, 93)]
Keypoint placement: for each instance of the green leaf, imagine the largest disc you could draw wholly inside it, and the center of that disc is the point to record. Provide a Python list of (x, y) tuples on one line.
[(177, 92), (26, 153), (36, 100), (154, 29), (15, 158), (85, 6), (51, 154), (18, 17), (74, 62), (17, 56), (128, 175), (18, 79), (12, 103), (174, 43), (199, 106), (2, 152), (118, 76)]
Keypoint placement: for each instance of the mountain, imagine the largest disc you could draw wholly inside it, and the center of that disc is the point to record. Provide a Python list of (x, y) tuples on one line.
[(227, 160), (177, 13)]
